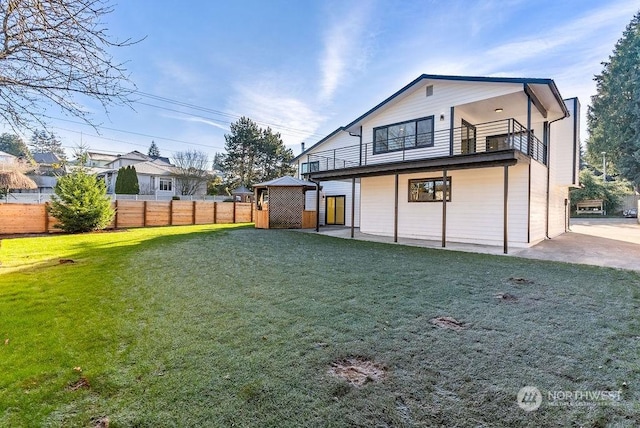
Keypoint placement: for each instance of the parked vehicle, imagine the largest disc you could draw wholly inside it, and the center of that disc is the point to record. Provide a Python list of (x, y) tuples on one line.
[(630, 213)]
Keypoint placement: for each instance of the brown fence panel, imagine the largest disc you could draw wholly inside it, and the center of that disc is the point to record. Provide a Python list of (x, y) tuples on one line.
[(308, 219), (243, 212), (158, 213), (182, 213), (204, 212), (130, 214), (224, 212), (33, 218), (22, 218), (262, 219)]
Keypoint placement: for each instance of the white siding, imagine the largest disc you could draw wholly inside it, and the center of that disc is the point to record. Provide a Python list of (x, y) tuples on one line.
[(377, 205), (340, 140), (335, 188), (538, 201), (557, 210), (565, 147), (445, 95), (474, 215)]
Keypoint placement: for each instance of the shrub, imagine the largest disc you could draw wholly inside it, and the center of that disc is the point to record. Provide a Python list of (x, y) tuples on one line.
[(592, 187), (80, 203)]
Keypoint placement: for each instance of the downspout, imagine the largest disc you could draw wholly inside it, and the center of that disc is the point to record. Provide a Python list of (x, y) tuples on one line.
[(317, 183)]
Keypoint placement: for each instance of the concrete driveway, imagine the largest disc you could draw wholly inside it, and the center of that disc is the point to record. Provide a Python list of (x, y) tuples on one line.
[(610, 242)]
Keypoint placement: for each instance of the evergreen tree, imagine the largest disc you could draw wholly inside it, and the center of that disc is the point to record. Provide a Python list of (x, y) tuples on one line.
[(80, 203), (614, 114), (12, 144), (127, 181), (275, 157), (44, 142), (154, 151), (242, 147), (254, 155)]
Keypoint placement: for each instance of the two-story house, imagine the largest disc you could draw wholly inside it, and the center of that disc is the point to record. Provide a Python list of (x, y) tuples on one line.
[(484, 160)]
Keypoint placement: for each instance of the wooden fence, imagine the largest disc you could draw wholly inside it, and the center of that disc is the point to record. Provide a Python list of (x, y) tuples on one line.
[(33, 218)]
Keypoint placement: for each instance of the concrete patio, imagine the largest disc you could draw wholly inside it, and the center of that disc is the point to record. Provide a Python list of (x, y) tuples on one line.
[(610, 242)]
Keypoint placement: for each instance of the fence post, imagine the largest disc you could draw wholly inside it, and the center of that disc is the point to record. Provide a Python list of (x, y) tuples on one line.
[(144, 214), (115, 218), (234, 211), (252, 212), (171, 212), (193, 213), (215, 220), (46, 217)]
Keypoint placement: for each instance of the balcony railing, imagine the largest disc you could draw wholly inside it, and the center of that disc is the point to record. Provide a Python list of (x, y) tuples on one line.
[(482, 138)]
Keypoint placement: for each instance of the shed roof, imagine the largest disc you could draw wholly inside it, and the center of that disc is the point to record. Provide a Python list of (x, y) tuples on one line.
[(286, 181), (242, 190)]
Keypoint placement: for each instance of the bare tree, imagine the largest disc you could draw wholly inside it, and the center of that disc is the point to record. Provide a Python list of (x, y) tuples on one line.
[(54, 53), (191, 170)]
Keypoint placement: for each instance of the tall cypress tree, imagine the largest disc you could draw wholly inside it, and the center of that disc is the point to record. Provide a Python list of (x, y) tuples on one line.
[(127, 181), (614, 114)]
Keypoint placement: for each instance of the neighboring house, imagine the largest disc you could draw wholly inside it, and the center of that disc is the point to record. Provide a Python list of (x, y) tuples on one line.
[(7, 158), (156, 175), (100, 160), (49, 168), (483, 160)]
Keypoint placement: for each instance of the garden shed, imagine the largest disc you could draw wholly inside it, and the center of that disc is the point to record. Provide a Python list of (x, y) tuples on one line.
[(280, 204)]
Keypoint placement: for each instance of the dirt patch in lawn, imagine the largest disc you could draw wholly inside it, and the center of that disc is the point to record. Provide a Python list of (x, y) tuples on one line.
[(82, 383), (357, 371), (448, 322), (506, 297), (520, 281)]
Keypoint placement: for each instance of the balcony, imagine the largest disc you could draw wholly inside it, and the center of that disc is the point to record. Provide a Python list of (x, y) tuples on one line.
[(468, 141)]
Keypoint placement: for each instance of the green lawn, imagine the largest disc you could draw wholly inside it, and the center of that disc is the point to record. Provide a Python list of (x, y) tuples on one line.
[(231, 326)]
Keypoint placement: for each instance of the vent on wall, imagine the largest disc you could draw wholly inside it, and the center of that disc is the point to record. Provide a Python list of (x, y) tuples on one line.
[(429, 90)]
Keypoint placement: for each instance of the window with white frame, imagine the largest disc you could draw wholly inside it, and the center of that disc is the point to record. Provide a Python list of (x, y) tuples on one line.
[(165, 184)]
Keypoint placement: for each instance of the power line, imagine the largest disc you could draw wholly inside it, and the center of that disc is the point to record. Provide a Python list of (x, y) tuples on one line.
[(140, 134), (221, 113)]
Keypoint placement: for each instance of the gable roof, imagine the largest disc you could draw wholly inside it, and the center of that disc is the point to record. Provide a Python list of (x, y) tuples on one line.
[(404, 90), (152, 168), (162, 159), (7, 155), (101, 156), (47, 158), (519, 80), (342, 128)]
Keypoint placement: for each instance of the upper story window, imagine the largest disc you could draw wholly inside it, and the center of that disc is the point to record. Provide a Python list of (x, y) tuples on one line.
[(308, 167), (411, 134)]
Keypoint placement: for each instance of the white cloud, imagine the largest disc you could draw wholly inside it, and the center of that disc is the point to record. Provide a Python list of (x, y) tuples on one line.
[(201, 120), (344, 47), (177, 74), (575, 31), (271, 104)]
